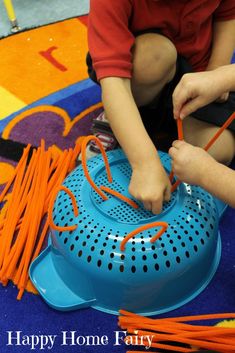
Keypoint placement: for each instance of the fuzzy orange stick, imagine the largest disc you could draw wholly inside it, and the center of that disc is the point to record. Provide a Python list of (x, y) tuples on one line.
[(164, 226)]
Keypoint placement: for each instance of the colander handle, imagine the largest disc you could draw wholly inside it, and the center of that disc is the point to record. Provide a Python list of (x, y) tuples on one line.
[(164, 226), (84, 165)]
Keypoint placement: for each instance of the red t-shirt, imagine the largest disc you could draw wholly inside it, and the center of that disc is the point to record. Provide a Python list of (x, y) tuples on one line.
[(113, 25)]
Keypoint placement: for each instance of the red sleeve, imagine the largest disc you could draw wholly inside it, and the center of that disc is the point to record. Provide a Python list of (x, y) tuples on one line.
[(225, 11), (109, 38)]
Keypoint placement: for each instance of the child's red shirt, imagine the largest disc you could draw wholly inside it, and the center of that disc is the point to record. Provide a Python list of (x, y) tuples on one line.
[(113, 25)]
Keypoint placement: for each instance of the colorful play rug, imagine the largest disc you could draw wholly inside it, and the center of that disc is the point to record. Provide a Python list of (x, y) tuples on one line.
[(45, 93)]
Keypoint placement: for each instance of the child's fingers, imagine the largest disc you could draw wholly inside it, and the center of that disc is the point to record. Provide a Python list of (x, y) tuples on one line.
[(178, 143), (172, 152), (191, 106), (147, 206), (167, 194), (157, 207)]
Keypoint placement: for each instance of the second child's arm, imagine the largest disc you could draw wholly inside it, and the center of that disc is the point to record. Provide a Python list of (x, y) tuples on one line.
[(198, 89), (195, 166), (149, 182)]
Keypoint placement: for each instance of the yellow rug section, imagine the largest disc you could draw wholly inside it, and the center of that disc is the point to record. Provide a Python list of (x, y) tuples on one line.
[(9, 101)]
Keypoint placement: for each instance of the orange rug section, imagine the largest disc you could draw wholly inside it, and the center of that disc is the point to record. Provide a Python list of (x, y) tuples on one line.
[(39, 62)]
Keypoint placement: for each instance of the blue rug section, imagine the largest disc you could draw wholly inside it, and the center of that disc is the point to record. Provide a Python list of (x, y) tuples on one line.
[(31, 14), (73, 99)]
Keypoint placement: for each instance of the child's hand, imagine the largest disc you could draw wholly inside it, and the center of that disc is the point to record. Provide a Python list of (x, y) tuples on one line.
[(190, 164), (150, 185), (196, 90)]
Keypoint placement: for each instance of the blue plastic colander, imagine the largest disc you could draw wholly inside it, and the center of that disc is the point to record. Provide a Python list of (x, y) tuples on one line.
[(86, 268)]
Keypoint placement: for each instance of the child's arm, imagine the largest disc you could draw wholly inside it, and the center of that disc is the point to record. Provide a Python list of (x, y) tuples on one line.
[(149, 182), (223, 44), (198, 89), (195, 166)]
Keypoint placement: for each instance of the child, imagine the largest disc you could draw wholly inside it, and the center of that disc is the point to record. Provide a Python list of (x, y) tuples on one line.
[(140, 49), (192, 164)]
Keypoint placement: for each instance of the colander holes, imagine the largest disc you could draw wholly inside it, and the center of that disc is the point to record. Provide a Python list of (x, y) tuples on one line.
[(92, 230), (104, 245), (101, 252), (89, 258), (133, 249), (92, 248), (70, 232), (191, 239), (155, 256), (196, 232), (84, 243), (187, 254), (115, 241), (107, 238), (144, 257), (171, 241), (202, 241), (99, 263), (60, 233), (143, 248), (185, 232), (81, 231), (112, 255), (157, 267), (113, 247), (142, 242), (72, 247), (191, 226), (195, 248), (174, 249), (162, 245), (96, 241), (178, 259), (80, 253), (153, 247), (183, 244), (121, 268), (133, 242), (133, 258), (88, 236), (165, 253), (122, 257), (207, 234), (62, 218), (133, 269), (65, 240), (168, 264), (110, 266), (202, 226), (211, 225), (99, 235), (145, 268)]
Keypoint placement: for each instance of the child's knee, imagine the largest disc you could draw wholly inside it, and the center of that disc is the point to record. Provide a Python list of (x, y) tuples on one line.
[(199, 133), (154, 59)]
